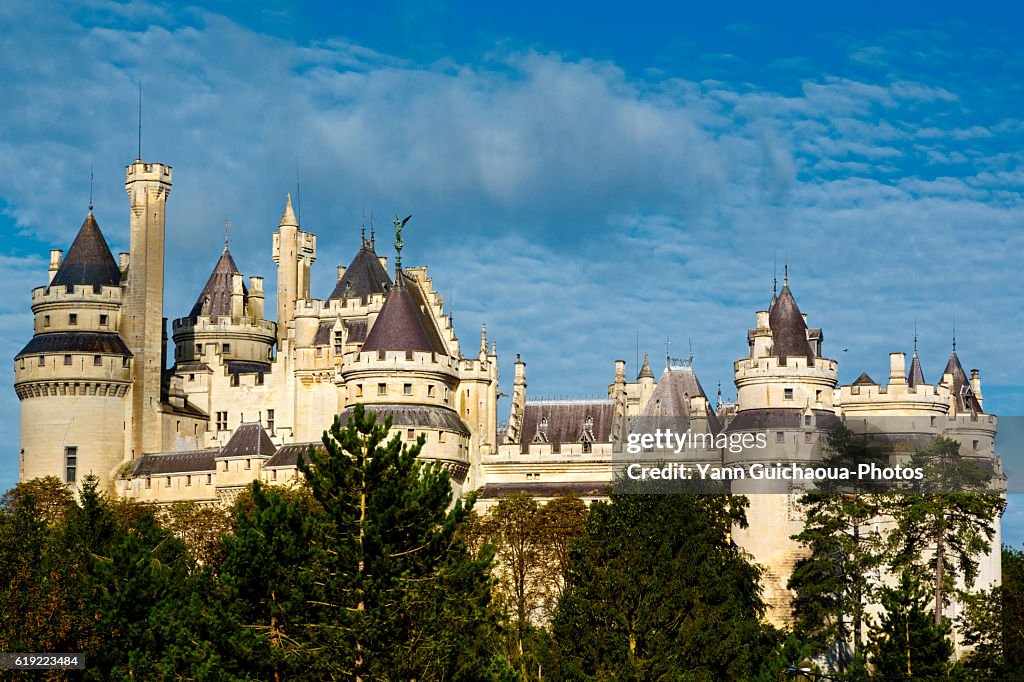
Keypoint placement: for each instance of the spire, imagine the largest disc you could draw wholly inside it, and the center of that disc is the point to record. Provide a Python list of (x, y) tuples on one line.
[(645, 369), (288, 219), (215, 299), (363, 276), (90, 187), (399, 226), (398, 327), (227, 227), (789, 331), (775, 284), (483, 339), (916, 375), (89, 260)]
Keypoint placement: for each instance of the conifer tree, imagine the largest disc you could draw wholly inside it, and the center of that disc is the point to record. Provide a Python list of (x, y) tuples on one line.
[(834, 583), (656, 589), (408, 599), (906, 643), (941, 533)]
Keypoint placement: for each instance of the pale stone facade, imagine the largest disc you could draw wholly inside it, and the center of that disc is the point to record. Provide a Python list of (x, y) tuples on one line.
[(246, 395)]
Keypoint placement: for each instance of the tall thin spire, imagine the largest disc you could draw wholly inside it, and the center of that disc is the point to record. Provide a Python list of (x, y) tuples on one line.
[(227, 227), (785, 273), (90, 186), (915, 335), (139, 157), (954, 334), (298, 193), (775, 278), (399, 226)]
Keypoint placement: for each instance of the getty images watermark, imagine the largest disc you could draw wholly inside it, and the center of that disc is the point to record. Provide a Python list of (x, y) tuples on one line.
[(668, 441)]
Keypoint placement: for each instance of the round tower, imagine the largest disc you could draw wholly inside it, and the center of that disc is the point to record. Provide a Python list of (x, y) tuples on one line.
[(403, 371), (74, 377), (226, 320)]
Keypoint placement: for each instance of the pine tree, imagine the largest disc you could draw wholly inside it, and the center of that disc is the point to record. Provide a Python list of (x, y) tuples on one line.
[(834, 584), (906, 643), (951, 528), (408, 600), (656, 589)]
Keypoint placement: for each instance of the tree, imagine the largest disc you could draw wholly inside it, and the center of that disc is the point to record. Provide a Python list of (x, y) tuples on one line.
[(951, 527), (50, 496), (562, 520), (834, 583), (656, 589), (993, 623), (199, 527), (406, 598), (905, 643)]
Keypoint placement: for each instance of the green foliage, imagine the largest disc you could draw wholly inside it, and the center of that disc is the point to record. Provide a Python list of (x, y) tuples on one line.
[(406, 597), (993, 623), (834, 583), (656, 589), (952, 529), (906, 643)]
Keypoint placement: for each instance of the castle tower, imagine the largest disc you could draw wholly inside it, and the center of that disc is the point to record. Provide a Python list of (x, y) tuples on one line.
[(226, 320), (148, 186), (404, 371), (785, 393), (74, 377), (294, 251)]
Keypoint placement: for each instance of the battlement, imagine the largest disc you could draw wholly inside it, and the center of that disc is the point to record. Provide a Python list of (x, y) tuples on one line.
[(141, 171), (766, 368), (72, 368), (400, 361), (225, 325), (82, 294)]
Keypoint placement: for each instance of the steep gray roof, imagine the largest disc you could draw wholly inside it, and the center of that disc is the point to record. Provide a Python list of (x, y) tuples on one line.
[(583, 489), (175, 463), (789, 331), (779, 418), (565, 421), (671, 396), (248, 440), (288, 455), (400, 326), (916, 374), (864, 380), (966, 401), (215, 298), (88, 261), (363, 276)]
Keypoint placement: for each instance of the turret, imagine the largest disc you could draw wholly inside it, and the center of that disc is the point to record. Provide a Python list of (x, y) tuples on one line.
[(74, 377), (294, 251), (148, 186)]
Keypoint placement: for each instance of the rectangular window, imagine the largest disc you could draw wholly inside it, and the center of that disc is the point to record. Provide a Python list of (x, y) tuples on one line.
[(73, 318), (248, 464), (97, 360), (807, 420), (46, 320), (234, 379), (787, 393), (273, 474), (359, 390), (70, 464), (124, 361), (188, 480), (222, 421), (780, 437), (199, 349), (807, 438), (149, 483), (270, 420), (42, 361), (227, 348), (382, 389), (410, 434), (319, 352), (430, 391), (440, 436), (191, 377), (103, 320), (67, 359), (407, 389), (817, 396), (974, 444), (168, 482)]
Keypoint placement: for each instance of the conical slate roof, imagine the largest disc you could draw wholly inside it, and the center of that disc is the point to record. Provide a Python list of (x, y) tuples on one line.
[(364, 276), (966, 401), (645, 370), (215, 299), (398, 326), (89, 260), (789, 331), (916, 375)]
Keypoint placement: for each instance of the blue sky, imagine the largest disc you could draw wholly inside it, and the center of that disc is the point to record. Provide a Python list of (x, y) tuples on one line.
[(581, 175)]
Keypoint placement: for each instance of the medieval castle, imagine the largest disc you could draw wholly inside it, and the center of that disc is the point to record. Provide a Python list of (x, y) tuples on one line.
[(244, 394)]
